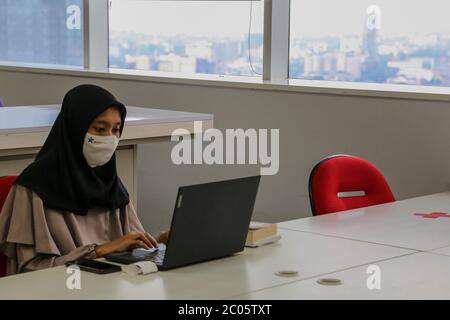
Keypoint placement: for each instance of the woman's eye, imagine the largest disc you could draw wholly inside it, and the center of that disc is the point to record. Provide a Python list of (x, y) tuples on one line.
[(99, 129), (116, 130)]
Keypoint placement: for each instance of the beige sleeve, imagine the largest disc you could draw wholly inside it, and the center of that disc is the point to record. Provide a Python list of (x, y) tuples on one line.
[(130, 220), (43, 261), (25, 237)]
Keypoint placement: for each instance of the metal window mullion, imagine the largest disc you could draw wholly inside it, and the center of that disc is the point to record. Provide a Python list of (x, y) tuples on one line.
[(276, 40), (96, 37)]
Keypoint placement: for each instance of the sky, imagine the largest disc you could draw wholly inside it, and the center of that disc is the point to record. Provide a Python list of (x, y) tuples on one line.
[(203, 18), (398, 17), (308, 17)]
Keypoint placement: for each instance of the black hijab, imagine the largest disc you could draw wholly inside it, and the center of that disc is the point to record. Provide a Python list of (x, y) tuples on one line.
[(60, 175)]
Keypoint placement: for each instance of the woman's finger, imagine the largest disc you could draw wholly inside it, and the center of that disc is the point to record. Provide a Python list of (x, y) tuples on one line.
[(141, 244), (163, 236), (143, 237), (152, 240)]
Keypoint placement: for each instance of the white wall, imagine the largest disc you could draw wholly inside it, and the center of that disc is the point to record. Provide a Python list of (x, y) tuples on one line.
[(407, 140)]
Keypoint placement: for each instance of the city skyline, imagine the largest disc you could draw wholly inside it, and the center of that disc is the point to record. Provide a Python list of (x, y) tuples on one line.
[(186, 54), (356, 58), (363, 54)]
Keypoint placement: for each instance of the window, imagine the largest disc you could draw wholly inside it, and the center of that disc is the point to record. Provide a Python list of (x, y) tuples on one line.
[(209, 37), (387, 42), (42, 31), (399, 42)]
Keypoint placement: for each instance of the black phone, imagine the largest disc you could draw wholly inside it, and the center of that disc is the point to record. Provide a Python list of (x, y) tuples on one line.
[(95, 266)]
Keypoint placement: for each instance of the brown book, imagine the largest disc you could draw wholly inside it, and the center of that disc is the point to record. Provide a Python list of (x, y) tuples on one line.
[(260, 230)]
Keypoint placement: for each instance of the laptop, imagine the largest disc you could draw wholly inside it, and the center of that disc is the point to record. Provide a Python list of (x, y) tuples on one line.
[(210, 221)]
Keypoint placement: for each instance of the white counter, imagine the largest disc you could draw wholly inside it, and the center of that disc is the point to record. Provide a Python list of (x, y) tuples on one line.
[(23, 130)]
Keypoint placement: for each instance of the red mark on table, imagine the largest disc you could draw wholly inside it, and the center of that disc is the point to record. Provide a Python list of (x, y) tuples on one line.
[(433, 215)]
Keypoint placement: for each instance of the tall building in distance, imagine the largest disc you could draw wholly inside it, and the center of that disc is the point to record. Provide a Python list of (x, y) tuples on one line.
[(42, 31), (374, 69), (370, 45)]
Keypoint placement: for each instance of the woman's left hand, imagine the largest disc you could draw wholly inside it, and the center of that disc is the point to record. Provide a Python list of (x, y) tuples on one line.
[(162, 237)]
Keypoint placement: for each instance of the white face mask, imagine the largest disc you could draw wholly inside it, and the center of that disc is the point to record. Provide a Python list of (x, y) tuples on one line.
[(98, 150)]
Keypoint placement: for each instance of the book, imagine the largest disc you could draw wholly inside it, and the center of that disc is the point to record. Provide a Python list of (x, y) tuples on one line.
[(259, 231), (263, 241)]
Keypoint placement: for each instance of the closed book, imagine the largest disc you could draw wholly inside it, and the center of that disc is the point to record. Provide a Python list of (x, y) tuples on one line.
[(263, 242), (260, 230)]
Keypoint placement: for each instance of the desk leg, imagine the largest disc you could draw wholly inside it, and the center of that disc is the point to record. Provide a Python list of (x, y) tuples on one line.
[(127, 170), (135, 176)]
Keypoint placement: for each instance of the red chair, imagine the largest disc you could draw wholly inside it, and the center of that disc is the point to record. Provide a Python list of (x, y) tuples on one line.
[(344, 182), (5, 185)]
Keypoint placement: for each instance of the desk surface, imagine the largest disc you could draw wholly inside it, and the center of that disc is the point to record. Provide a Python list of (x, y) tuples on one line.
[(405, 273), (254, 269), (444, 251), (40, 118), (393, 224), (415, 276)]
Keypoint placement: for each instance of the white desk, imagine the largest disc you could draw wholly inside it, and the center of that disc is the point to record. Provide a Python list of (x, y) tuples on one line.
[(444, 251), (23, 131), (416, 276), (405, 273), (254, 269), (392, 224)]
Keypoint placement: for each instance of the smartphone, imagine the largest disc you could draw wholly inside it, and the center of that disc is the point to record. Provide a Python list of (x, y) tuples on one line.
[(95, 266)]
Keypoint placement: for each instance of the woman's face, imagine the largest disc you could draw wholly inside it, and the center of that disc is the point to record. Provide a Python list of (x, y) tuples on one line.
[(107, 123)]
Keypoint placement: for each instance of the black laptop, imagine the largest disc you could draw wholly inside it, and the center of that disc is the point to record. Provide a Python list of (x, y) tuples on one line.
[(210, 221)]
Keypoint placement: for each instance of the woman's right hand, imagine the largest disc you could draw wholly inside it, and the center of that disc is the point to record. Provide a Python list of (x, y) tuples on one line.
[(132, 240)]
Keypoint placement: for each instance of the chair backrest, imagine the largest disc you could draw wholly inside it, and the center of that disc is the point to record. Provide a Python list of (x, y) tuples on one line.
[(344, 182), (5, 185), (2, 104)]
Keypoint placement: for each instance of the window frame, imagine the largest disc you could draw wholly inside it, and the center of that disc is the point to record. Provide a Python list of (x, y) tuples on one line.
[(275, 47), (275, 62)]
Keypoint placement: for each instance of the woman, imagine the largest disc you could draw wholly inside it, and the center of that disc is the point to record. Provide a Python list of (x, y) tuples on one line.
[(70, 203)]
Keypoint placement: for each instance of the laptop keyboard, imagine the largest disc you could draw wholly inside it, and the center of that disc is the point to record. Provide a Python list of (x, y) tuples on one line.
[(157, 257), (154, 255)]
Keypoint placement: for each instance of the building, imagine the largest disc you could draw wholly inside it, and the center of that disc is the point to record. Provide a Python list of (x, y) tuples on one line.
[(38, 32), (173, 63), (138, 62)]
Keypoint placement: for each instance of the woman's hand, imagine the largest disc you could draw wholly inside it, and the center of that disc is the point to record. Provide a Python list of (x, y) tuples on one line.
[(162, 237), (132, 240)]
